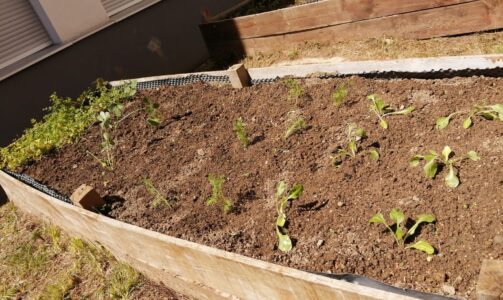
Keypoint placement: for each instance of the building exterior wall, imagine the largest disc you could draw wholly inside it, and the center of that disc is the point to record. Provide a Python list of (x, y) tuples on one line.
[(162, 39)]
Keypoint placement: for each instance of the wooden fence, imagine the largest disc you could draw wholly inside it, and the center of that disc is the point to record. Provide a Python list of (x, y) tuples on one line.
[(336, 20)]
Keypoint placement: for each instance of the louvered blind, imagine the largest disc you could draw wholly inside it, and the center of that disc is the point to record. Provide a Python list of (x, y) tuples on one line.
[(21, 32), (114, 6)]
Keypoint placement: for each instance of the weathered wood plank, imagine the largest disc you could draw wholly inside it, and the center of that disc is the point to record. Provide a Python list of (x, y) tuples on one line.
[(193, 269), (452, 20), (490, 281), (313, 16)]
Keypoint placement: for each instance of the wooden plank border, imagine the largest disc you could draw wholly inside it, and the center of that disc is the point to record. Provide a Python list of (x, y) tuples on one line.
[(446, 20), (408, 65), (188, 268)]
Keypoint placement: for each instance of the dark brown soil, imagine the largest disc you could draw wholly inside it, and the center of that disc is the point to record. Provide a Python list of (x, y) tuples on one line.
[(329, 223)]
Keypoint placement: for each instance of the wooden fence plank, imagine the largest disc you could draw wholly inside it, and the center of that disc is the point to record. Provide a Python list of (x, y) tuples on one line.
[(451, 20), (193, 269), (313, 16)]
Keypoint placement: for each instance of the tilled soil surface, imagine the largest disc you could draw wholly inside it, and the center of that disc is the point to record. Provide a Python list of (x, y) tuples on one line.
[(329, 222)]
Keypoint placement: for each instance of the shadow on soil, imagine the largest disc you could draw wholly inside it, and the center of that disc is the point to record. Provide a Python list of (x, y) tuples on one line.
[(3, 197)]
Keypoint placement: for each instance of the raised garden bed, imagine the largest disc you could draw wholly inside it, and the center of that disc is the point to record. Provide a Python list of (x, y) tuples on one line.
[(329, 222)]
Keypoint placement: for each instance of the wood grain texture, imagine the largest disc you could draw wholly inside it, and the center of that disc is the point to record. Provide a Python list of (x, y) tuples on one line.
[(313, 16), (445, 21), (191, 269)]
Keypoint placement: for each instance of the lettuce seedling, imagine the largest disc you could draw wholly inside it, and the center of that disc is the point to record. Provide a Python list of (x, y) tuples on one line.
[(239, 129), (382, 110), (433, 160), (354, 137), (281, 199), (159, 199), (339, 96), (217, 195), (151, 108), (400, 235), (488, 112), (297, 126), (295, 90)]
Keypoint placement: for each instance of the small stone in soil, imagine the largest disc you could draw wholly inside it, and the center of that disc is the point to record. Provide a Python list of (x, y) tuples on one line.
[(200, 152), (320, 243), (340, 204), (448, 289)]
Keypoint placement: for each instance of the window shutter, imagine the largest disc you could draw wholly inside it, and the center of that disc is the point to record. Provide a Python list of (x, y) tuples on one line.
[(114, 6), (21, 32)]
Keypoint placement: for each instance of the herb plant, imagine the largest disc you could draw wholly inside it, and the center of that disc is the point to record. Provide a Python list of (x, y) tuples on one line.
[(296, 126), (239, 129), (295, 90), (382, 110), (217, 195), (339, 96), (433, 160), (281, 199), (488, 112), (159, 199), (65, 121), (354, 138), (400, 235)]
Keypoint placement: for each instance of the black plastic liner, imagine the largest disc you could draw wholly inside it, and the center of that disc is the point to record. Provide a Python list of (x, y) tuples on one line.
[(356, 279)]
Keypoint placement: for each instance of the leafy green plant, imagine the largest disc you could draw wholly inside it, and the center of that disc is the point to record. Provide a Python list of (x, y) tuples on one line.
[(488, 112), (151, 108), (65, 121), (107, 143), (296, 126), (217, 195), (339, 96), (239, 129), (122, 281), (382, 110), (400, 235), (281, 199), (354, 137), (295, 90), (433, 160), (159, 199)]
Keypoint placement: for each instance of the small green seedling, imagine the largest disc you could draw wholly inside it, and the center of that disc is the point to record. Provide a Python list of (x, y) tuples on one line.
[(382, 110), (400, 235), (107, 143), (433, 160), (159, 199), (354, 137), (281, 199), (151, 108), (297, 126), (239, 129), (339, 96), (488, 112), (295, 90), (217, 196)]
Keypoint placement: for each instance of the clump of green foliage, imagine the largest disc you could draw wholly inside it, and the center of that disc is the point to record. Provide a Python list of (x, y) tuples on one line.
[(488, 112), (339, 96), (159, 199), (296, 126), (281, 199), (433, 160), (382, 110), (122, 281), (217, 195), (151, 108), (400, 235), (239, 129), (295, 90), (65, 121), (354, 137)]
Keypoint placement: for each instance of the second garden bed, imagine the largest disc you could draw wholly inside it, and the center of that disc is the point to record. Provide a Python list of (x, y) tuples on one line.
[(328, 223)]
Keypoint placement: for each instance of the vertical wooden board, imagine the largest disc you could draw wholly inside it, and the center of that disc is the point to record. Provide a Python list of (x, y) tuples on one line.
[(210, 273), (312, 16), (445, 21)]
